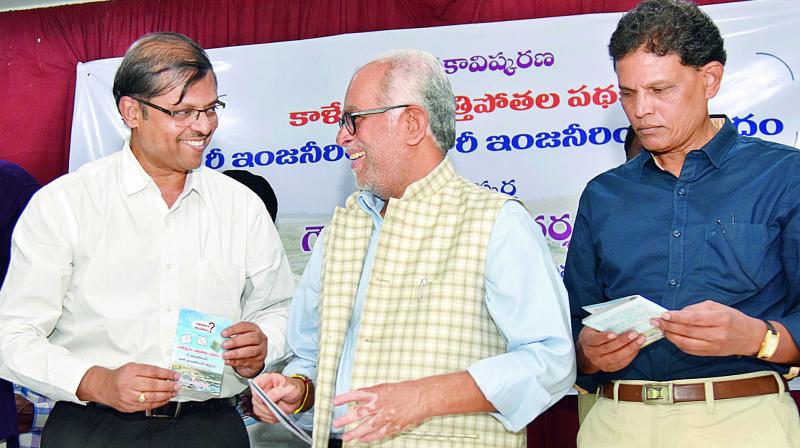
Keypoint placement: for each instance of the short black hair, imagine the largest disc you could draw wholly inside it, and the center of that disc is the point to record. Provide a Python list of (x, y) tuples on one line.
[(260, 186), (668, 26), (158, 62)]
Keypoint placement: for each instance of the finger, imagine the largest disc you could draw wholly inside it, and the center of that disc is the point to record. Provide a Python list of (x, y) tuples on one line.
[(240, 328), (701, 318), (354, 396), (157, 399), (690, 345), (269, 380), (248, 352), (277, 394), (244, 340), (150, 371), (359, 431), (621, 360), (355, 414), (621, 357), (262, 412), (593, 337), (686, 330), (153, 385), (618, 343)]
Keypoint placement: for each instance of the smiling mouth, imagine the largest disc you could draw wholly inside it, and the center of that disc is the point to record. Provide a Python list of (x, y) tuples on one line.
[(357, 155), (194, 143)]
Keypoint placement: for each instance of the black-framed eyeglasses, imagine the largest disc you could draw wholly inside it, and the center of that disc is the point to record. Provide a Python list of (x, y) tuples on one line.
[(348, 119), (184, 117)]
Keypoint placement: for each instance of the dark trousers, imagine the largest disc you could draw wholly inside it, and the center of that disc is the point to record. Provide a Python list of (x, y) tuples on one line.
[(72, 425)]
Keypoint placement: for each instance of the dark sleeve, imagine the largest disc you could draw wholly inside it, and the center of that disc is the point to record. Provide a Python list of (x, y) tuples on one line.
[(17, 188), (790, 252), (581, 276)]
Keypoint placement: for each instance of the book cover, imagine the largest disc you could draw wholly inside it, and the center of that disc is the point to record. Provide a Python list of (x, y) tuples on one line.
[(197, 351)]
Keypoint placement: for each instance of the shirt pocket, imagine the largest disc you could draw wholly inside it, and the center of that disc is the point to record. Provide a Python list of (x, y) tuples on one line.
[(219, 289), (739, 259)]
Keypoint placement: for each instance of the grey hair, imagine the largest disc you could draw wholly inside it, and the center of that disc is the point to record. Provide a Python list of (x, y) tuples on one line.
[(157, 63), (417, 77)]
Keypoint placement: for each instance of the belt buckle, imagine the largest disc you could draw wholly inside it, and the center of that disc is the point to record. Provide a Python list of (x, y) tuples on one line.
[(149, 412), (657, 393)]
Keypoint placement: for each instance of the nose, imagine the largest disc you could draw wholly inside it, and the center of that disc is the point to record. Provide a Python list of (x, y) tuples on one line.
[(202, 124), (643, 105), (343, 137)]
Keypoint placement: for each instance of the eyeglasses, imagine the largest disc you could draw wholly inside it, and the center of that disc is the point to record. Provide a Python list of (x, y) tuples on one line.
[(348, 119), (184, 117)]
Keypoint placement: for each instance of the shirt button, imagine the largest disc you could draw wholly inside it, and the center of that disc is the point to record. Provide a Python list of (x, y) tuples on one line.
[(169, 308), (673, 282), (169, 266), (676, 233), (681, 191)]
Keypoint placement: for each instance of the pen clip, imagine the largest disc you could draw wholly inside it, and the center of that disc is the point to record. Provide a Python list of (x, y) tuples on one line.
[(422, 284)]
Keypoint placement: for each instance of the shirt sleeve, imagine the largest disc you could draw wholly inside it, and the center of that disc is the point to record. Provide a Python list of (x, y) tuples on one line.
[(790, 256), (528, 303), (269, 283), (303, 331), (32, 298)]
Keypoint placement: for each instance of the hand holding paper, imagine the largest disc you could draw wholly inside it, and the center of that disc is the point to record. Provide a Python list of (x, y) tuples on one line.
[(266, 408), (283, 391), (614, 333)]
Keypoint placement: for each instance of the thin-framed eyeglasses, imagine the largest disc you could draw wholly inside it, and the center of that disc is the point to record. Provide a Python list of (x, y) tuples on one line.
[(184, 117), (348, 119)]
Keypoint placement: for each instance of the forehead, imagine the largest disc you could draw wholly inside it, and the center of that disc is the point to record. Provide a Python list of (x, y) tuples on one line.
[(641, 67), (201, 93), (364, 87)]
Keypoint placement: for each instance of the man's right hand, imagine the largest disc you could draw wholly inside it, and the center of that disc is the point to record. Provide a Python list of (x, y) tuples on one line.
[(606, 351), (287, 393), (122, 387)]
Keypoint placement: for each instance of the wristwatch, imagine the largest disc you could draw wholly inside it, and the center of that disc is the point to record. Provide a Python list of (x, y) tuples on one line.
[(770, 342)]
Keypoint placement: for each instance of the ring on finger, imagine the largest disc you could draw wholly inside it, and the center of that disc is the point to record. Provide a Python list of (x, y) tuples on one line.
[(142, 398)]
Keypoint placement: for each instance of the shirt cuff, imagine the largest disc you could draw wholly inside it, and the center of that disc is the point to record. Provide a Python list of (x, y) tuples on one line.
[(517, 396)]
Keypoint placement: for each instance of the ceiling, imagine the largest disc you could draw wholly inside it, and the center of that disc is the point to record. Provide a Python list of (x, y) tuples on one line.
[(10, 5)]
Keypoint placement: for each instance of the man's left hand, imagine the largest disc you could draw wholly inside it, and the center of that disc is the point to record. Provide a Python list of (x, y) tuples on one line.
[(246, 349), (712, 329), (382, 410)]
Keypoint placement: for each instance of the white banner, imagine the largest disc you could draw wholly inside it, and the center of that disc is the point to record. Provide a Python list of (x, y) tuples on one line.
[(538, 112)]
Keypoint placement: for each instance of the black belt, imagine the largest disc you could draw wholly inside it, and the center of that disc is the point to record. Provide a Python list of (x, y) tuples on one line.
[(173, 409)]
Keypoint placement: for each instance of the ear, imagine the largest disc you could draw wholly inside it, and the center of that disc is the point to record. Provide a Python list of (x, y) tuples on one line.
[(712, 76), (415, 120), (129, 108)]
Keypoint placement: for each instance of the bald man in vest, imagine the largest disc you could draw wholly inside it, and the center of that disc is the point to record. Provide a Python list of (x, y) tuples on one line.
[(423, 288)]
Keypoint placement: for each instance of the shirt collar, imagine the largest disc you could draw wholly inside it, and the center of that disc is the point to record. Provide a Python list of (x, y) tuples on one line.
[(371, 204), (136, 179), (715, 150)]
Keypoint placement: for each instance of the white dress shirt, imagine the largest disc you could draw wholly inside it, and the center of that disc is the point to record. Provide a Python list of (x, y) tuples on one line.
[(100, 268)]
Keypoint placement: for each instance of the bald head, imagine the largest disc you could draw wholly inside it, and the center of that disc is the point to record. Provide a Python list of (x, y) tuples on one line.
[(157, 63)]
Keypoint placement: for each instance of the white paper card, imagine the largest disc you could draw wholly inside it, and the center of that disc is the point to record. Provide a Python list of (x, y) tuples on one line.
[(624, 314)]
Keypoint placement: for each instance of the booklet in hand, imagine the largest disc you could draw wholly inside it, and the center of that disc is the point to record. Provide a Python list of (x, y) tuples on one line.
[(197, 352), (287, 422), (624, 314)]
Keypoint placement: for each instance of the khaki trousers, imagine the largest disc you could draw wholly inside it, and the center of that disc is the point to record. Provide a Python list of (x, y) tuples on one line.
[(760, 421)]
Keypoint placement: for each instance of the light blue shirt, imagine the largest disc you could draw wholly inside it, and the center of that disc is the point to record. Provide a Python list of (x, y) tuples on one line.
[(524, 296)]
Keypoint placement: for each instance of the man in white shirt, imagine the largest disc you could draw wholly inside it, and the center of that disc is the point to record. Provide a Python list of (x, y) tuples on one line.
[(103, 260)]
